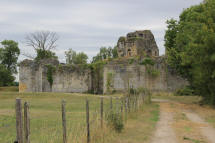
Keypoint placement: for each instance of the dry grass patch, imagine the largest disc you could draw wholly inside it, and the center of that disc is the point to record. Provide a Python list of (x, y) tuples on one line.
[(140, 125), (186, 131)]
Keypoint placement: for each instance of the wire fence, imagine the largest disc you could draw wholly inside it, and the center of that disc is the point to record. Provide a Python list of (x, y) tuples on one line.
[(96, 116)]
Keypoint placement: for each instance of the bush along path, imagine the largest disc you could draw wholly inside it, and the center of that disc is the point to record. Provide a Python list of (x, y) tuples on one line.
[(140, 125), (179, 124)]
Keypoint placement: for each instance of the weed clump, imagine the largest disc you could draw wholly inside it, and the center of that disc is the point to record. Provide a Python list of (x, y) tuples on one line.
[(115, 121)]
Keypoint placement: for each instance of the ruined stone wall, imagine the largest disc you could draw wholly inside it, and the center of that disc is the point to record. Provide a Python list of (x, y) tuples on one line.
[(71, 79), (30, 77), (137, 76), (137, 43), (33, 78)]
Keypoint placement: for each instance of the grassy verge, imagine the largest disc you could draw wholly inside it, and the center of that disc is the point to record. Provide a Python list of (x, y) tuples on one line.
[(180, 99), (9, 89), (140, 125)]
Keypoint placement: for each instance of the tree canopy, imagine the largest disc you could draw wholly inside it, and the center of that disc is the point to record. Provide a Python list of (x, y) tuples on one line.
[(190, 47), (105, 53), (75, 58), (9, 53)]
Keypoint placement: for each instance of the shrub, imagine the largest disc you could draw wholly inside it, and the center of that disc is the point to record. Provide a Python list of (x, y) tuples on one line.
[(186, 91), (115, 121), (147, 61), (152, 72), (131, 61), (132, 90)]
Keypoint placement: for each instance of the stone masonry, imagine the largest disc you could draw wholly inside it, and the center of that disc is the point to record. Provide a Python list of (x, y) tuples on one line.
[(123, 73), (137, 43)]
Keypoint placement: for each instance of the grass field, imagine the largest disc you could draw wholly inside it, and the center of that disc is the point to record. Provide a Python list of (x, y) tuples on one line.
[(46, 125), (45, 113)]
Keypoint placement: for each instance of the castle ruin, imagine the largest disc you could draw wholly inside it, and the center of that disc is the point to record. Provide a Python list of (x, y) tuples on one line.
[(137, 44), (128, 71)]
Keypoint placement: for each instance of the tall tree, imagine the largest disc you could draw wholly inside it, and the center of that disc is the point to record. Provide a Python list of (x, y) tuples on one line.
[(191, 50), (70, 56), (81, 58), (9, 54), (75, 58), (6, 78), (43, 42), (105, 53)]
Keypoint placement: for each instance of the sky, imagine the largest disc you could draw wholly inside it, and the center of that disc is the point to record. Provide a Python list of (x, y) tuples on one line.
[(86, 25)]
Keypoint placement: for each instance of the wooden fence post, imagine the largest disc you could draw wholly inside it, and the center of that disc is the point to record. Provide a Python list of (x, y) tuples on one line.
[(126, 108), (135, 101), (128, 104), (122, 106), (117, 107), (111, 103), (88, 121), (26, 122), (64, 121), (101, 112), (19, 122)]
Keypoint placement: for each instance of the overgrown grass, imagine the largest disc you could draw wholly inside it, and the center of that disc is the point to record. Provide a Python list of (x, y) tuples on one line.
[(9, 89), (180, 99), (45, 114), (140, 125)]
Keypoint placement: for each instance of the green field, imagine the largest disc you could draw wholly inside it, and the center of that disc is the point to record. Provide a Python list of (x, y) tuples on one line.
[(46, 118), (45, 113)]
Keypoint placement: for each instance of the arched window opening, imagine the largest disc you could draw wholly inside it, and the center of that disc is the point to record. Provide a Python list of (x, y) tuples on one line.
[(129, 52)]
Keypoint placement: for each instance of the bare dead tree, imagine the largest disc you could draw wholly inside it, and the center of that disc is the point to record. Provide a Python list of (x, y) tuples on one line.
[(44, 40)]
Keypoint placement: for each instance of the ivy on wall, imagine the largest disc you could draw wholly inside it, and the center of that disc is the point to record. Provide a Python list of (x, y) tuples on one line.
[(50, 70), (109, 83), (97, 76), (149, 64)]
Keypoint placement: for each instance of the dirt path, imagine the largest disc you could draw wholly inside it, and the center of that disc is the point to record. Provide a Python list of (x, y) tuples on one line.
[(178, 124), (164, 132), (205, 129)]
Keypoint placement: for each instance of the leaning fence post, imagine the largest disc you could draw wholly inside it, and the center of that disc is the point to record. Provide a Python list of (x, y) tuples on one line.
[(101, 112), (128, 103), (135, 101), (19, 122), (26, 122), (64, 121), (111, 103), (126, 108), (88, 121), (122, 107)]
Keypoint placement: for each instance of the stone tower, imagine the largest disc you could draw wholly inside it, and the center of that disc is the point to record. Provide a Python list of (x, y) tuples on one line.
[(138, 43)]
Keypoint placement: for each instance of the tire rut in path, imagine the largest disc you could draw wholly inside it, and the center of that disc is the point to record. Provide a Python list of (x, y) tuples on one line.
[(164, 132), (206, 129)]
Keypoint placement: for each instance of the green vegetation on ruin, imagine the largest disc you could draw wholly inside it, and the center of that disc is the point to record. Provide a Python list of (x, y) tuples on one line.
[(149, 64), (50, 71)]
